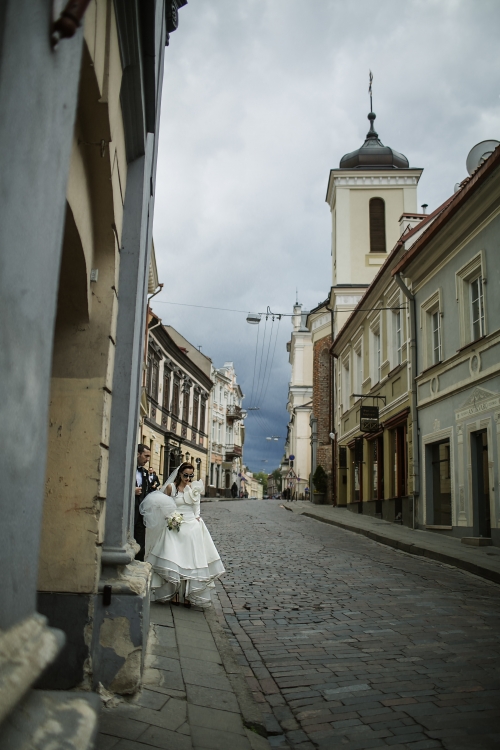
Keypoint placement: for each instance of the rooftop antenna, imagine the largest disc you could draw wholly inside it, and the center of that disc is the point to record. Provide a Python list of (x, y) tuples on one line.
[(296, 296)]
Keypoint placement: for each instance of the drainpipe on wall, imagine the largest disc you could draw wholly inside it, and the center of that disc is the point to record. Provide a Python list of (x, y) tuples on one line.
[(413, 390), (314, 445), (148, 309), (332, 410)]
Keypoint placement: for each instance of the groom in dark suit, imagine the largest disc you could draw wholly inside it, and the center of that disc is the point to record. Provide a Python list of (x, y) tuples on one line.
[(142, 487)]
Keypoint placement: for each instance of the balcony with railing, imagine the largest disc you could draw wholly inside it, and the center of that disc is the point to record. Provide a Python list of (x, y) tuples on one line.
[(233, 451), (233, 412)]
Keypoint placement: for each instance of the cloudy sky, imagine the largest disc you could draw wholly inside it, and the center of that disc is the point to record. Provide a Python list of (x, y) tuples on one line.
[(261, 99)]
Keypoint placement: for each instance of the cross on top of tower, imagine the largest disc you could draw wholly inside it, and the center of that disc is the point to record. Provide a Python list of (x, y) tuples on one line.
[(373, 154)]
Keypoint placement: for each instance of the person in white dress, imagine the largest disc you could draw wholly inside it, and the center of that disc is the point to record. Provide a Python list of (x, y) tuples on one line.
[(185, 561)]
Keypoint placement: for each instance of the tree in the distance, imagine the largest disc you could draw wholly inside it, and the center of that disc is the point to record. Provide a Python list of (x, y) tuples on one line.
[(261, 476), (320, 480)]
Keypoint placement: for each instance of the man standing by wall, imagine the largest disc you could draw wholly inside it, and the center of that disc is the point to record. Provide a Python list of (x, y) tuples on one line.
[(142, 488)]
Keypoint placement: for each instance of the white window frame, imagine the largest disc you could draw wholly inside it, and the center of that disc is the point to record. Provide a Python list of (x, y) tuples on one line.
[(395, 353), (346, 389), (357, 367), (398, 337), (465, 277), (436, 336), (479, 322), (430, 308), (376, 351)]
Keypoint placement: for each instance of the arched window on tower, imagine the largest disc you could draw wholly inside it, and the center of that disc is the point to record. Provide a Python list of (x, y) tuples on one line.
[(377, 226)]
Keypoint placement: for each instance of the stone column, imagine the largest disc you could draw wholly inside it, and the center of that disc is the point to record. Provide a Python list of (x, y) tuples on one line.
[(121, 618)]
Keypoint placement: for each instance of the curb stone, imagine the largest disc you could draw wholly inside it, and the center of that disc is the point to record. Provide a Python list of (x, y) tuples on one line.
[(250, 710)]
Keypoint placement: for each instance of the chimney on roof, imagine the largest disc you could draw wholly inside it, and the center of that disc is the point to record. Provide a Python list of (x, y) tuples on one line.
[(424, 208), (407, 221)]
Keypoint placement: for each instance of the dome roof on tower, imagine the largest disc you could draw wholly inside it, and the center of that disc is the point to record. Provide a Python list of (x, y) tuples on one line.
[(373, 154)]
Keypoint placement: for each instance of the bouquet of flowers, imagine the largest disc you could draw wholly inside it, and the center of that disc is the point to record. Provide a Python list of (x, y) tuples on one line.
[(174, 521)]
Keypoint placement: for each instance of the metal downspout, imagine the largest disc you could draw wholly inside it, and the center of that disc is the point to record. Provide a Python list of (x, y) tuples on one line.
[(413, 390), (332, 410)]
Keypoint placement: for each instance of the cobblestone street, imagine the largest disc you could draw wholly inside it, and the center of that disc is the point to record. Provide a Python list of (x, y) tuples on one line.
[(348, 643)]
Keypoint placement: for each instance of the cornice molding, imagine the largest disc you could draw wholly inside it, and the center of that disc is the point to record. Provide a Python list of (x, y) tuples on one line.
[(371, 180)]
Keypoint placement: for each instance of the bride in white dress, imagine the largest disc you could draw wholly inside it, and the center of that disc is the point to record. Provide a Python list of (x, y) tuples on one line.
[(185, 561)]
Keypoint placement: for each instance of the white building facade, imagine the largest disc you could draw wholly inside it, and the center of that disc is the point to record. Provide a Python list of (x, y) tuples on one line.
[(299, 407), (227, 433)]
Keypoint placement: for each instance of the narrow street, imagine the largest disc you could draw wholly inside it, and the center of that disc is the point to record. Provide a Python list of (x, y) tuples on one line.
[(349, 643)]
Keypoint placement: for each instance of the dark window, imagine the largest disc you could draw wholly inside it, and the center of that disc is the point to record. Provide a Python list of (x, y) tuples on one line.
[(166, 391), (377, 226), (196, 404), (152, 381), (175, 397), (342, 457), (185, 406), (202, 416)]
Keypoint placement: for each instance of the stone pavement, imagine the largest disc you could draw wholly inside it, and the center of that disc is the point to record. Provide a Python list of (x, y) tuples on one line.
[(348, 643), (194, 695), (482, 561)]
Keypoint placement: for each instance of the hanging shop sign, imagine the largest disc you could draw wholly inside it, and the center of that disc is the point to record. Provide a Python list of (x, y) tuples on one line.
[(368, 421)]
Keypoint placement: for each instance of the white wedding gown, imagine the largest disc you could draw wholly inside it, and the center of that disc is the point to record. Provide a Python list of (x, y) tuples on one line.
[(184, 561)]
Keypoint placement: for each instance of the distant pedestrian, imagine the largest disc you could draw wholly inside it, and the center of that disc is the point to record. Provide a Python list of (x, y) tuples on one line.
[(234, 490), (142, 488), (154, 481)]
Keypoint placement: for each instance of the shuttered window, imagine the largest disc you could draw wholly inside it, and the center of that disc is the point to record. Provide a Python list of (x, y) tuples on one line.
[(377, 226), (175, 398), (185, 406)]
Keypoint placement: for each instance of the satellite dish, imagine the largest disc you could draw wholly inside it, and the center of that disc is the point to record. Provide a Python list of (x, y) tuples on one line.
[(480, 153)]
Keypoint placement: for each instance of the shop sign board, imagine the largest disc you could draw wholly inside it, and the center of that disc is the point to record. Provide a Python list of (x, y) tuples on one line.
[(368, 419)]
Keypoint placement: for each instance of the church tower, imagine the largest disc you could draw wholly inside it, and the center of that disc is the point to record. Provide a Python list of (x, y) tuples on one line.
[(370, 192), (372, 197)]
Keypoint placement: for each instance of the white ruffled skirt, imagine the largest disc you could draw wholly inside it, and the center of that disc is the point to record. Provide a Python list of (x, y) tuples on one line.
[(184, 561)]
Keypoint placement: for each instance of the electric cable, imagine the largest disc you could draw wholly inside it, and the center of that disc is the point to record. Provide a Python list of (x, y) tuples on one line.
[(272, 362), (259, 392), (268, 312), (255, 364), (261, 358)]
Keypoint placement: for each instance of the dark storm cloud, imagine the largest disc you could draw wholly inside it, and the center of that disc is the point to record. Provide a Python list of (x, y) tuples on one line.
[(261, 99)]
